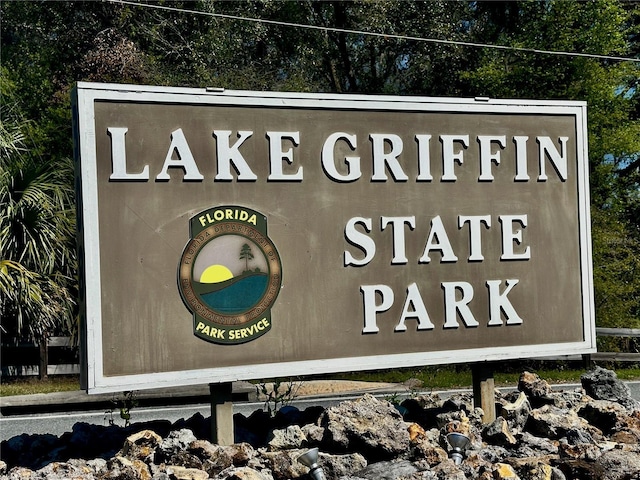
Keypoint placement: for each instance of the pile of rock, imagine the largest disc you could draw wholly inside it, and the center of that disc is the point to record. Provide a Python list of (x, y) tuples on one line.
[(590, 433)]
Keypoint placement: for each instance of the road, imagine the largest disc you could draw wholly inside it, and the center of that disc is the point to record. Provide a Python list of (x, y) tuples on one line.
[(59, 423)]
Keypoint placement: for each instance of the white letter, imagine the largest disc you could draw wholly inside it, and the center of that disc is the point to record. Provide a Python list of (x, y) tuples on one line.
[(453, 306), (521, 159), (185, 158), (449, 156), (424, 158), (276, 155), (360, 240), (558, 160), (231, 154), (398, 223), (419, 311), (509, 236), (438, 240), (328, 161), (499, 301), (119, 157), (475, 240), (487, 156), (370, 306), (380, 158)]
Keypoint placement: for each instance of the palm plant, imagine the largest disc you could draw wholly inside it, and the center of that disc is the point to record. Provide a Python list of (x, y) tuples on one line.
[(37, 230)]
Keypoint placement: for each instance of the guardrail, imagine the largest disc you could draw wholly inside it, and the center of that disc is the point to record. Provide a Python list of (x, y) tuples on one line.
[(615, 356)]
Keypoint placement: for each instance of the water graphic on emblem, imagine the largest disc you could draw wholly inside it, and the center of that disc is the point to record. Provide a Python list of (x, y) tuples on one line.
[(229, 275), (230, 284)]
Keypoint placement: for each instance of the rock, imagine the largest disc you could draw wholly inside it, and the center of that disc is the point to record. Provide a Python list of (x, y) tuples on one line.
[(556, 474), (335, 466), (504, 471), (571, 436), (603, 384), (370, 426), (552, 422), (240, 453), (65, 471), (416, 432), (314, 434), (430, 453), (284, 464), (618, 465), (448, 471), (516, 413), (241, 473), (176, 472), (542, 445), (185, 459), (426, 445), (216, 458), (176, 442), (631, 437), (122, 468), (534, 468), (577, 437), (288, 438), (498, 433), (603, 414), (141, 445), (389, 470), (31, 451), (458, 402), (584, 451), (199, 426), (537, 390), (455, 422), (21, 473), (205, 450), (475, 464)]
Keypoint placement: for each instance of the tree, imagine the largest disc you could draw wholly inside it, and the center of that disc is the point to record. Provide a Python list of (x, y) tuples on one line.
[(610, 89), (37, 230), (47, 46), (246, 255)]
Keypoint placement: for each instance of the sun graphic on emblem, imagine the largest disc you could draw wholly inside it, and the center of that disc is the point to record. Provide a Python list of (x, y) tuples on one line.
[(215, 274)]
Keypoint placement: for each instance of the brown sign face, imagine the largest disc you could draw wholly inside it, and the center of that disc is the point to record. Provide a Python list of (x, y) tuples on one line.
[(401, 231)]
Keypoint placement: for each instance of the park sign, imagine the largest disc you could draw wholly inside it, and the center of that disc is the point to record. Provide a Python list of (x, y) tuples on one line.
[(236, 235)]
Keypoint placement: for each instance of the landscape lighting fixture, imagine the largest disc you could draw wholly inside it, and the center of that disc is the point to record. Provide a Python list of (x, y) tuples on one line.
[(310, 459), (459, 444)]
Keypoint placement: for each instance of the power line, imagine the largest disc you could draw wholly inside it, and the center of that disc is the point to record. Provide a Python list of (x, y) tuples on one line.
[(375, 34)]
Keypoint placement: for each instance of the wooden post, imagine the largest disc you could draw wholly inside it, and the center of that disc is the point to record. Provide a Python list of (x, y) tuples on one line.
[(221, 413), (43, 363), (484, 395)]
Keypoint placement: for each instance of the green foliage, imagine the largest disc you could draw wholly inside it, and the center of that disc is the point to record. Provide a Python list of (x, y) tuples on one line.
[(616, 272), (37, 233), (123, 404), (48, 46), (277, 394), (610, 90)]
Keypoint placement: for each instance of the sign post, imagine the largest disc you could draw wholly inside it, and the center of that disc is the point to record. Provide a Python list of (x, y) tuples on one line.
[(221, 413), (484, 390)]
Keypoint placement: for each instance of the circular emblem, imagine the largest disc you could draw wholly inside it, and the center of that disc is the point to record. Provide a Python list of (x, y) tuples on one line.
[(229, 275)]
